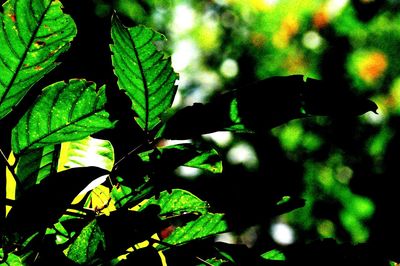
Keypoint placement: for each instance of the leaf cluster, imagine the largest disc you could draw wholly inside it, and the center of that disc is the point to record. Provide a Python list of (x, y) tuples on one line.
[(73, 195)]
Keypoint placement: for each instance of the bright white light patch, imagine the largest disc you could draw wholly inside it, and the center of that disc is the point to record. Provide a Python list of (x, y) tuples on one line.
[(188, 172), (222, 138), (312, 40), (282, 233), (334, 7), (92, 185), (243, 153), (228, 238), (185, 53), (271, 2), (184, 18), (229, 68)]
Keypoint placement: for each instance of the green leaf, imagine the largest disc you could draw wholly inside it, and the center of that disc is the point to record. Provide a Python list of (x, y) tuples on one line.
[(87, 152), (90, 240), (35, 165), (208, 224), (33, 33), (197, 157), (64, 112), (143, 72), (178, 200), (182, 201), (205, 158), (273, 255)]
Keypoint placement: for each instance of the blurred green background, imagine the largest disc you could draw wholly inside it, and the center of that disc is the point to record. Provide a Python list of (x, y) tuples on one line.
[(345, 170)]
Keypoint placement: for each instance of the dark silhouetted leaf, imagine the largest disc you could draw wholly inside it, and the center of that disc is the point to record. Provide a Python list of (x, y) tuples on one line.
[(41, 205), (266, 104), (32, 35), (205, 158), (124, 228), (64, 112), (143, 72)]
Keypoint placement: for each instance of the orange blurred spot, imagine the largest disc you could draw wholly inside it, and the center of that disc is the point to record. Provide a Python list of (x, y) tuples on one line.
[(373, 67), (320, 19), (38, 68), (288, 29), (13, 18)]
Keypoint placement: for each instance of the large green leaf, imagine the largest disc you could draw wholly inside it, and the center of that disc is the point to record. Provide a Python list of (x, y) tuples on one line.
[(143, 72), (206, 225), (86, 245), (33, 33), (64, 112)]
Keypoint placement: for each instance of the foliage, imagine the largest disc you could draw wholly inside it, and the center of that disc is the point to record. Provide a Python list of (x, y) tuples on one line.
[(91, 181)]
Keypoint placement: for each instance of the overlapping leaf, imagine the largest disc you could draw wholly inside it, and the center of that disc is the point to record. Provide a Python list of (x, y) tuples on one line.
[(32, 167), (143, 72), (87, 152), (33, 33), (64, 112), (182, 201)]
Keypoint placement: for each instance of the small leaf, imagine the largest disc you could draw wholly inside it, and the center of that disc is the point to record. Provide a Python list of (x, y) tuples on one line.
[(143, 72), (178, 200), (273, 255), (173, 156), (64, 112), (85, 247), (41, 205), (208, 224), (87, 152), (32, 35), (181, 201)]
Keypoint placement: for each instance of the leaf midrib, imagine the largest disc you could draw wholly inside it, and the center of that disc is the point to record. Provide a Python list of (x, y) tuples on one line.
[(61, 128), (145, 87), (25, 54)]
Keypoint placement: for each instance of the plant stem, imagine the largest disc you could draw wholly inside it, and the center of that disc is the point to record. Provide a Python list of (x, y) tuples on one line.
[(11, 169)]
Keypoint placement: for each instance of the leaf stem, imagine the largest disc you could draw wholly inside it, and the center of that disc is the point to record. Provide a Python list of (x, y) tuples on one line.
[(11, 168)]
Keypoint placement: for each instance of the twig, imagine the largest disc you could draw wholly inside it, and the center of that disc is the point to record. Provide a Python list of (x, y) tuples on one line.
[(12, 168)]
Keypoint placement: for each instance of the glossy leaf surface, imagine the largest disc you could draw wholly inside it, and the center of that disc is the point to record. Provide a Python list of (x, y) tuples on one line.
[(33, 33), (143, 72), (64, 112)]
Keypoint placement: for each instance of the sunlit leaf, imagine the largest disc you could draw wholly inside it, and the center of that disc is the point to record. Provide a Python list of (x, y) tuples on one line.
[(87, 152), (33, 33), (64, 112), (84, 248), (208, 224), (143, 72), (178, 200), (181, 201), (273, 255)]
